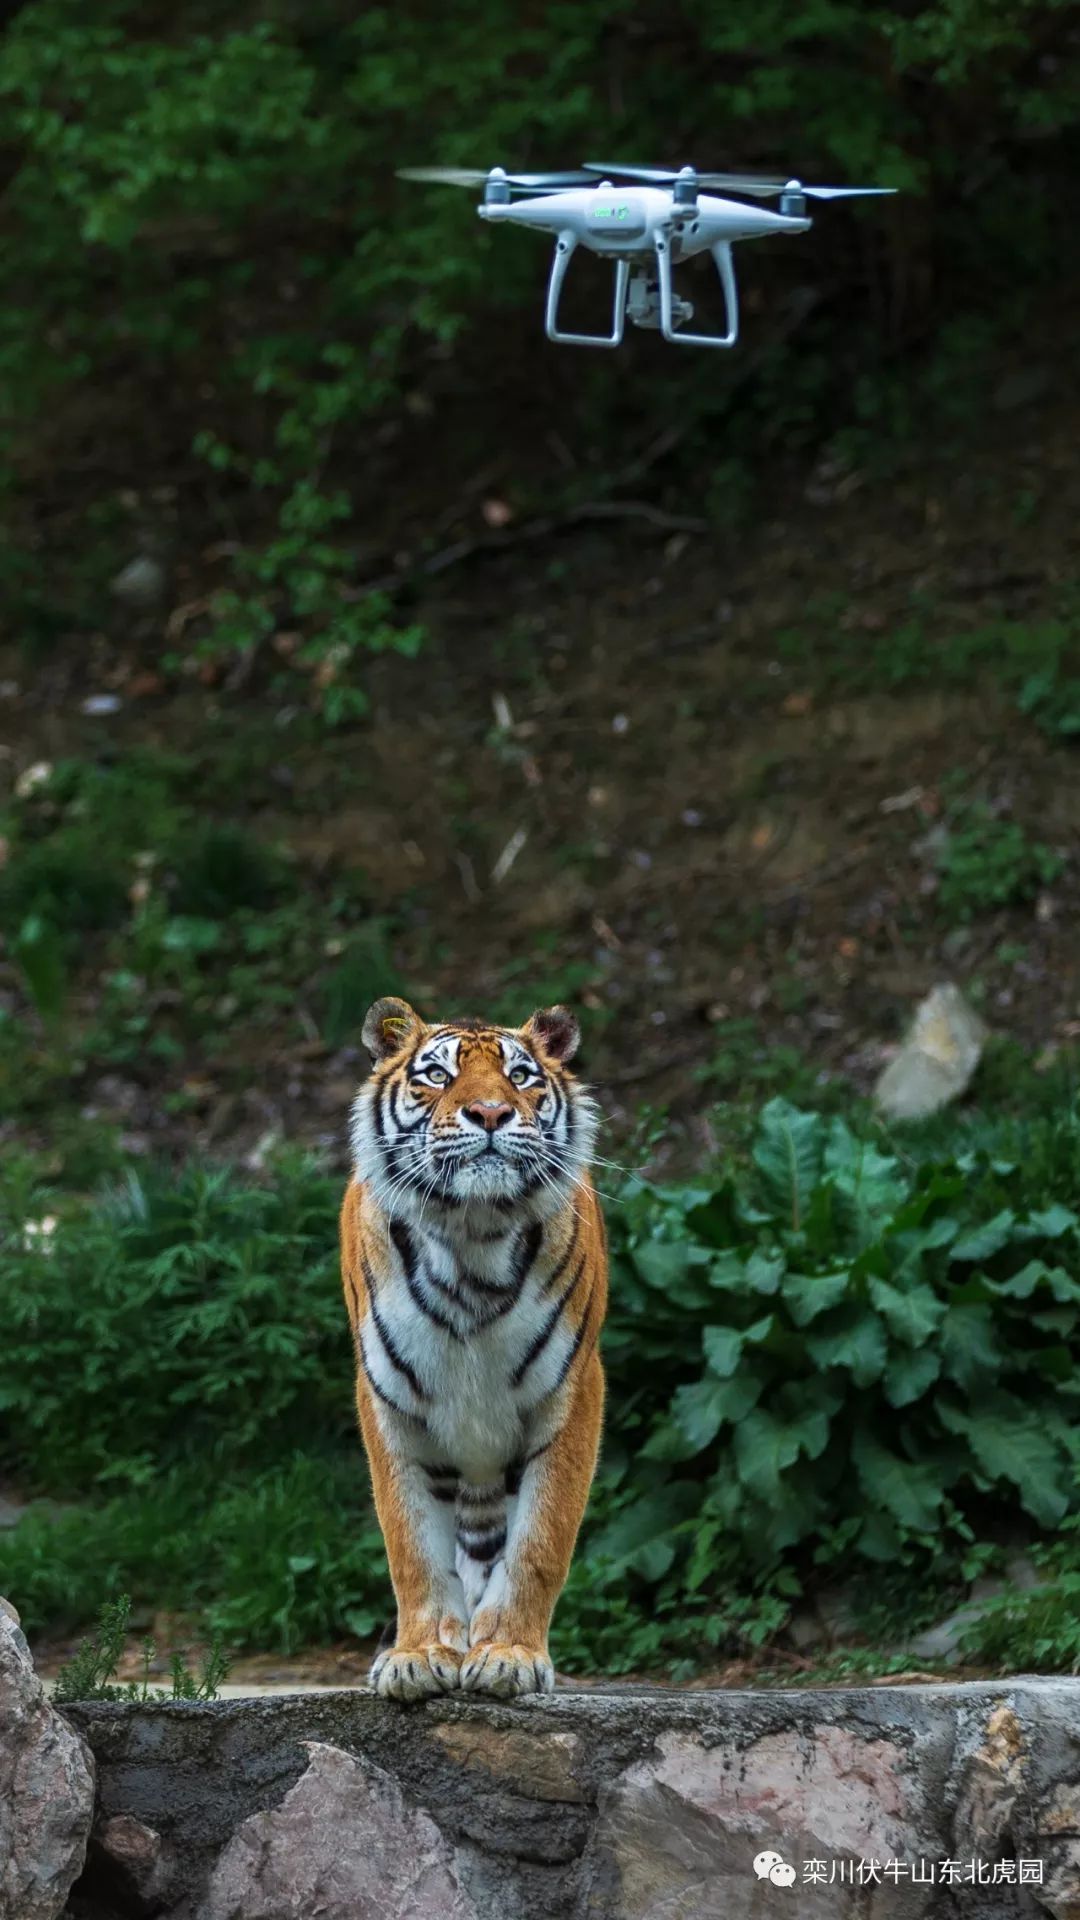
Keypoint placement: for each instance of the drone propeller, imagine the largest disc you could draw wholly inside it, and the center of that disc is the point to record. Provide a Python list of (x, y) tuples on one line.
[(479, 177), (751, 183)]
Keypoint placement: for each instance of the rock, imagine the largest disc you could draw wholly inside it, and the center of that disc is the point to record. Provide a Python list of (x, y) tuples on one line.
[(943, 1641), (607, 1804), (130, 1855), (141, 584), (344, 1844), (991, 1779), (805, 1630), (683, 1828), (541, 1767), (46, 1789), (936, 1060)]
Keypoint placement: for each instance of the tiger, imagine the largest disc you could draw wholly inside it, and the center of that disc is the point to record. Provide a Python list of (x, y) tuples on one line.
[(475, 1273)]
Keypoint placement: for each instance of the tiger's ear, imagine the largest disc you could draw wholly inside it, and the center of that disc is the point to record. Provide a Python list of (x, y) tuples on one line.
[(388, 1027), (554, 1031)]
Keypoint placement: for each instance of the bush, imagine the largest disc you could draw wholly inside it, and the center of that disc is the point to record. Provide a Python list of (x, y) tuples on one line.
[(843, 1350)]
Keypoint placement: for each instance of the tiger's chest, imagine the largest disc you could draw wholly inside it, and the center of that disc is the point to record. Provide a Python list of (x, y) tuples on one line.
[(469, 1349)]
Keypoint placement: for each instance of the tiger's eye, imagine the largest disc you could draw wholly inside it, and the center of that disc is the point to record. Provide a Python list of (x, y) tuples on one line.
[(438, 1076), (519, 1076)]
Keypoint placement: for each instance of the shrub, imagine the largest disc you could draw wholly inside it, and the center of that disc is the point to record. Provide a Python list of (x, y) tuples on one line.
[(841, 1349)]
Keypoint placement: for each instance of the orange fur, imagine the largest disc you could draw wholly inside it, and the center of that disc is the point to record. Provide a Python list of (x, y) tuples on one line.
[(508, 1636)]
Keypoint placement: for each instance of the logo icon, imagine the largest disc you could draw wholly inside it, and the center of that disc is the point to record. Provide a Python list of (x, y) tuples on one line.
[(772, 1866)]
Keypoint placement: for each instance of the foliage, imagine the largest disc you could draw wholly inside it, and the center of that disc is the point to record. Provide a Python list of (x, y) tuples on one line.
[(89, 1674), (846, 1347), (1032, 662), (225, 185), (987, 862)]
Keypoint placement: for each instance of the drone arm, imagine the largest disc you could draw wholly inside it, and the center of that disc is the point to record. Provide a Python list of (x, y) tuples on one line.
[(725, 267), (564, 247)]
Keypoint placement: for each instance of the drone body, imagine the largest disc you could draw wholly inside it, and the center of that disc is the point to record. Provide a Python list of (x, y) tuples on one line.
[(644, 227)]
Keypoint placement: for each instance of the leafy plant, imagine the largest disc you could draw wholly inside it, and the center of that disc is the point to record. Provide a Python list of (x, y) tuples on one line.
[(90, 1673), (986, 862), (840, 1348)]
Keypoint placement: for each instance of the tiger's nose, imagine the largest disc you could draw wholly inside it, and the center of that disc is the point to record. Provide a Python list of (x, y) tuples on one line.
[(489, 1113)]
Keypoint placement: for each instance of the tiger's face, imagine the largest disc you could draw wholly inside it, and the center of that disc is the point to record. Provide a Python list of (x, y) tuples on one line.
[(466, 1114)]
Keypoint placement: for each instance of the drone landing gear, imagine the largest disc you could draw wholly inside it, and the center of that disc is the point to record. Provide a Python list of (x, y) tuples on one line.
[(673, 310), (651, 301), (564, 247)]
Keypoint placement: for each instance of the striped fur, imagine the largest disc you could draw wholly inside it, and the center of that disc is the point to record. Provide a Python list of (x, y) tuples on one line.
[(475, 1276)]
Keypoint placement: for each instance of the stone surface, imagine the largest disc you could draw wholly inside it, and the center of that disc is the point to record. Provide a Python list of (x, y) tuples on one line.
[(46, 1789), (611, 1804), (344, 1844), (937, 1058)]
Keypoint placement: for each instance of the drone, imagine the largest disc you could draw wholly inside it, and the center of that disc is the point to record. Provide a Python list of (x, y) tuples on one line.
[(644, 219)]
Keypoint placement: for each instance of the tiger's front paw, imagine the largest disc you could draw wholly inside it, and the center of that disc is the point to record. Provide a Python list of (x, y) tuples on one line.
[(415, 1673), (506, 1671)]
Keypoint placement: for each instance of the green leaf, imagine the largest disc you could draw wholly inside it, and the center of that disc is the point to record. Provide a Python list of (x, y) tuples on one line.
[(1035, 1275), (860, 1346), (1050, 1223), (981, 1242), (702, 1408), (909, 1372), (1012, 1444), (912, 1313), (765, 1447), (808, 1294), (723, 1349), (184, 933), (910, 1492), (788, 1155), (764, 1271), (38, 949), (639, 1534), (970, 1353)]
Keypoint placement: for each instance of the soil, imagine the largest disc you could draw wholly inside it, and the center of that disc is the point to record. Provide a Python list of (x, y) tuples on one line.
[(660, 773)]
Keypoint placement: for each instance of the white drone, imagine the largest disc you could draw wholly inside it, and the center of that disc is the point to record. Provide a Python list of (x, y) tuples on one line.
[(658, 218)]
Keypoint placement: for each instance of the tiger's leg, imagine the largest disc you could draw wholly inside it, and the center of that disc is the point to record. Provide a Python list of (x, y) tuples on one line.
[(508, 1634), (417, 1521)]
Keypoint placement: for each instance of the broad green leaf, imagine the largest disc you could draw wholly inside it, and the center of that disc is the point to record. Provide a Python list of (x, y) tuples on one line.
[(913, 1313), (870, 1187), (808, 1294), (764, 1271), (1037, 1274), (981, 1242), (765, 1447), (969, 1348), (860, 1346), (644, 1525), (1013, 1444), (723, 1349), (909, 1372), (1049, 1223), (700, 1409), (788, 1155), (912, 1493)]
